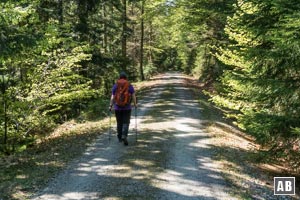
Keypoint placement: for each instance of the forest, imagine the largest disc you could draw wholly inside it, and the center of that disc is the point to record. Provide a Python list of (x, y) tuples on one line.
[(59, 59)]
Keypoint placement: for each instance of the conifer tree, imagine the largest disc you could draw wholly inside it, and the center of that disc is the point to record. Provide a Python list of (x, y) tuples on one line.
[(261, 81)]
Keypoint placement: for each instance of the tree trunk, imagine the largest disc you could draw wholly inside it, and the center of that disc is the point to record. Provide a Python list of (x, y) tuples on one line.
[(5, 111), (60, 12), (82, 14), (124, 34), (142, 43), (104, 42), (149, 53), (5, 123)]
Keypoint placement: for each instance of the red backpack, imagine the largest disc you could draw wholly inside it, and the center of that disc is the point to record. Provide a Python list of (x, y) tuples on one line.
[(122, 96)]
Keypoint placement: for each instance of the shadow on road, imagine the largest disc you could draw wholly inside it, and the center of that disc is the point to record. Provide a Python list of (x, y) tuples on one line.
[(175, 156)]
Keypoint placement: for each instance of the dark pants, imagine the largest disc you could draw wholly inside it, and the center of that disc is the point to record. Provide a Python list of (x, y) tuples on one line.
[(123, 121)]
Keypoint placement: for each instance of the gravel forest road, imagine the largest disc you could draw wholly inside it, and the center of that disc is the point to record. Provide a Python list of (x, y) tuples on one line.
[(172, 159)]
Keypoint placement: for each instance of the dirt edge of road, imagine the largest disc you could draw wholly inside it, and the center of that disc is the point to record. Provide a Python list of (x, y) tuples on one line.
[(238, 153)]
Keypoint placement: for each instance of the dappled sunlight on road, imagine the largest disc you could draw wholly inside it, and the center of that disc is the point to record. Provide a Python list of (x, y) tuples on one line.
[(74, 196), (172, 159)]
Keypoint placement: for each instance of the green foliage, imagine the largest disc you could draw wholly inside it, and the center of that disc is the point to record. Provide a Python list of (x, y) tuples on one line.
[(59, 59), (56, 56), (261, 82), (149, 70), (95, 109), (58, 84), (188, 32)]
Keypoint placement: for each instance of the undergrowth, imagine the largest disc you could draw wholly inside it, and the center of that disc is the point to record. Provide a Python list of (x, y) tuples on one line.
[(23, 173)]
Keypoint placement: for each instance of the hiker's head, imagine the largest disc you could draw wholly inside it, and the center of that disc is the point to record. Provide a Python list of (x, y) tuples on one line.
[(123, 75)]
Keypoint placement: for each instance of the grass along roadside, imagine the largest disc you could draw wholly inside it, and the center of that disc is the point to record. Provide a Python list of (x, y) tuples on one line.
[(243, 163), (24, 173)]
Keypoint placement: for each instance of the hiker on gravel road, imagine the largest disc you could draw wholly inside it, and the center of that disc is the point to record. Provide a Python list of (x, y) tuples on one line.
[(122, 95)]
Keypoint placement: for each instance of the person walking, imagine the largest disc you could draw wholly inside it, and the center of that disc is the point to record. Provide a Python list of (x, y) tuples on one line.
[(123, 94)]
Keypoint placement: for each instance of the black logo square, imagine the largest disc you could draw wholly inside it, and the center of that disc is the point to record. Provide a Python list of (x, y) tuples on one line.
[(284, 185)]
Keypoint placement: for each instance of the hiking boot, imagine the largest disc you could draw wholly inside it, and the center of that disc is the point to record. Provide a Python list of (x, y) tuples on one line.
[(125, 141), (120, 139)]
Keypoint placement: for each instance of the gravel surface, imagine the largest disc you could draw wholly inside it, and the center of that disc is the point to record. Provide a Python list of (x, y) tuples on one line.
[(172, 159)]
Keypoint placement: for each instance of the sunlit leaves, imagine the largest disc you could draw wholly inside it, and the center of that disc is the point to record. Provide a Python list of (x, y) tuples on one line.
[(262, 77), (58, 82)]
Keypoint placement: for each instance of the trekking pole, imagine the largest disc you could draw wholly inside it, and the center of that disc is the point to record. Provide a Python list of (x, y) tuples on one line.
[(136, 122), (109, 131)]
